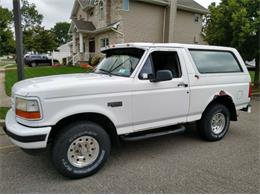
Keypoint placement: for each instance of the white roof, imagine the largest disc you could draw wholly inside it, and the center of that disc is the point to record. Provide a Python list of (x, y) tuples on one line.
[(172, 45)]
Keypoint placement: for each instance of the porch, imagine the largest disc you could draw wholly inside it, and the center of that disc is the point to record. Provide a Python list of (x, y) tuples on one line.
[(87, 41)]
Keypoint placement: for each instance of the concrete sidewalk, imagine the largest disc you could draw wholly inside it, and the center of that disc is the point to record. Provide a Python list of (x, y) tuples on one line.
[(5, 101)]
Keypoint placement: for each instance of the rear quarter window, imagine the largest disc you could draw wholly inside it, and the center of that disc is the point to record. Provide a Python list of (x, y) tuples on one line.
[(209, 62)]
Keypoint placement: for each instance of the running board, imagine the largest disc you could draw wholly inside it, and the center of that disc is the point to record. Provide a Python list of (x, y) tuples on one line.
[(153, 133)]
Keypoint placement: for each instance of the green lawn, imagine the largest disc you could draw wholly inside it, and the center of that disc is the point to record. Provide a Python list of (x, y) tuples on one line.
[(11, 75), (3, 112)]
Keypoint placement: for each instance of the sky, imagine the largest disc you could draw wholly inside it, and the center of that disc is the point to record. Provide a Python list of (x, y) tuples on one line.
[(59, 10)]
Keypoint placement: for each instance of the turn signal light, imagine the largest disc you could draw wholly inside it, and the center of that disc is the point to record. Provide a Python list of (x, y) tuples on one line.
[(28, 115), (250, 90)]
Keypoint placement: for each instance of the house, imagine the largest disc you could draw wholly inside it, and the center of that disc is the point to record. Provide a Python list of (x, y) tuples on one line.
[(99, 23), (63, 53)]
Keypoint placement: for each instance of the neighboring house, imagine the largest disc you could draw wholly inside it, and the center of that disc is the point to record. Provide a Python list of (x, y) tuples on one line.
[(62, 54), (66, 48), (99, 23)]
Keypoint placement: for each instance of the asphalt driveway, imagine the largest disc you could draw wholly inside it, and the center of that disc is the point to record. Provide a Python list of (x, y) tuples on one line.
[(170, 164)]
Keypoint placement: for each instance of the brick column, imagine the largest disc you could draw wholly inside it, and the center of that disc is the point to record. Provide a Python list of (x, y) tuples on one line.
[(108, 12)]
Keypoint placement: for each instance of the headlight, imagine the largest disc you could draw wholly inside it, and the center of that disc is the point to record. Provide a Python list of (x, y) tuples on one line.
[(27, 109)]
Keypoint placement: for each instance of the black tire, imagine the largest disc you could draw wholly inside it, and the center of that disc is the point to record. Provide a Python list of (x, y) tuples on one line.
[(205, 126), (64, 140)]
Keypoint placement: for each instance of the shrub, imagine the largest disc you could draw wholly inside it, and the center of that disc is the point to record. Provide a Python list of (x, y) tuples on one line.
[(96, 59)]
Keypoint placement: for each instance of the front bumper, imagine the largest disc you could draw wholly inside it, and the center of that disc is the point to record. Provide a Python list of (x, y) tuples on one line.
[(25, 137)]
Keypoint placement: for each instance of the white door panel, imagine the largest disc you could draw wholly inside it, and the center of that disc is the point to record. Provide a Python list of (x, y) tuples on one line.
[(162, 103)]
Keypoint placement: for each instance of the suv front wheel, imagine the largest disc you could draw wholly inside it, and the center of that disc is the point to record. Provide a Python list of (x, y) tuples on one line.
[(81, 149), (215, 122)]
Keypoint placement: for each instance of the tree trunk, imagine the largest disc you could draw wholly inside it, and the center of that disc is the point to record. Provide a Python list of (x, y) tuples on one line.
[(257, 63)]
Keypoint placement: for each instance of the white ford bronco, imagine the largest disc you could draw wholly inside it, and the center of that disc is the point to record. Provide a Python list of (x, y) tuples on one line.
[(137, 91)]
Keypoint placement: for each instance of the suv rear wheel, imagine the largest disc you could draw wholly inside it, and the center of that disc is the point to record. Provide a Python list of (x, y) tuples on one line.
[(81, 150), (215, 122)]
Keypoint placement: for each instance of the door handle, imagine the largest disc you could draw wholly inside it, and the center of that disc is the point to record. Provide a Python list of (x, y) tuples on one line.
[(183, 85)]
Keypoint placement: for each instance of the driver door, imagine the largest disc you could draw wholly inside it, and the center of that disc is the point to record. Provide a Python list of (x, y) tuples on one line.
[(160, 104)]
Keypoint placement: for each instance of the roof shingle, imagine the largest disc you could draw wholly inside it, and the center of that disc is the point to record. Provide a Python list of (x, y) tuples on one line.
[(191, 4), (84, 25)]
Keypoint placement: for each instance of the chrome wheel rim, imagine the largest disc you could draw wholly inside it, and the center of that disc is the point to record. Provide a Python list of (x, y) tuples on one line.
[(218, 123), (83, 151)]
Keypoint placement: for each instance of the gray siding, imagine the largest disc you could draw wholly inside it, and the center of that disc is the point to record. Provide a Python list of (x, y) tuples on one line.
[(143, 22)]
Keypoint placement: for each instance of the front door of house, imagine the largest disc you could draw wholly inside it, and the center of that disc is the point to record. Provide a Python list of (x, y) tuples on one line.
[(92, 47)]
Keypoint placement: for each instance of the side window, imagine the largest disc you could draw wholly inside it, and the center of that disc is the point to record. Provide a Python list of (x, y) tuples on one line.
[(147, 69), (209, 62), (126, 5), (104, 42), (196, 18), (101, 10), (162, 60)]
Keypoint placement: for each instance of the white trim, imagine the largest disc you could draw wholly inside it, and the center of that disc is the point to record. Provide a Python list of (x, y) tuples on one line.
[(74, 42), (81, 45)]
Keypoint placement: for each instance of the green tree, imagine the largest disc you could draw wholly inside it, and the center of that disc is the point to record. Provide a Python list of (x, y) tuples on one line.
[(40, 40), (61, 30), (7, 44), (236, 23), (30, 16), (45, 40), (31, 22)]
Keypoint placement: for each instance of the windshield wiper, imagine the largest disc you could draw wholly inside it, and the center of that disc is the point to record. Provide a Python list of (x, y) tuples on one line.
[(119, 65), (105, 71)]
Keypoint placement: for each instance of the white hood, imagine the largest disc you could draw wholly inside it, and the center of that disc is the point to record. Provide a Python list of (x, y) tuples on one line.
[(71, 85)]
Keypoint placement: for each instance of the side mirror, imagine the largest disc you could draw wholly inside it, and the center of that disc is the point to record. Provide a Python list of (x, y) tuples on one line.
[(163, 75)]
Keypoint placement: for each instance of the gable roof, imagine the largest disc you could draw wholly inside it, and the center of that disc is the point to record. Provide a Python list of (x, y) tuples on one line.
[(191, 5), (187, 5), (83, 3), (89, 27), (82, 25)]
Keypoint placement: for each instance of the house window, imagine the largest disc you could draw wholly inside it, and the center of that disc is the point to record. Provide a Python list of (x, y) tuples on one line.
[(91, 13), (104, 42), (126, 5), (101, 10), (196, 18)]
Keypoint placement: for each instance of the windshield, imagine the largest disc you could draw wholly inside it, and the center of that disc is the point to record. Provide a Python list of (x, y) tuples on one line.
[(120, 62)]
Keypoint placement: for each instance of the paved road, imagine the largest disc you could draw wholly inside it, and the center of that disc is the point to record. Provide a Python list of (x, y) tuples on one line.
[(169, 164)]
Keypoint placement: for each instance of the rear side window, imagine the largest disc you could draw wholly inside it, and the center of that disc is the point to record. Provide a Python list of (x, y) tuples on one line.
[(215, 61)]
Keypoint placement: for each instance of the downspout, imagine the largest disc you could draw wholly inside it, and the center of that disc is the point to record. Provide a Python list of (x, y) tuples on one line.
[(172, 19), (164, 24)]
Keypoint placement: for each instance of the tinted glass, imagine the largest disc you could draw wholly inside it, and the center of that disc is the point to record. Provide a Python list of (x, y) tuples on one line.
[(215, 61), (165, 60), (35, 57), (147, 69)]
